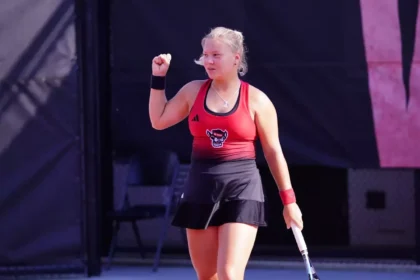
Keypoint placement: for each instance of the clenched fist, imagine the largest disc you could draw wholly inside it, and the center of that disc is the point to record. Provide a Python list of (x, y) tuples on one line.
[(160, 64)]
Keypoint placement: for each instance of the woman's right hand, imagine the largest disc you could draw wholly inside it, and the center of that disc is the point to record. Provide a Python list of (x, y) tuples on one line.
[(160, 64)]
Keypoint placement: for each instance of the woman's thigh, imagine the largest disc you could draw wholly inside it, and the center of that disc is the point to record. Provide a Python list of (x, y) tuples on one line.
[(236, 241), (203, 249)]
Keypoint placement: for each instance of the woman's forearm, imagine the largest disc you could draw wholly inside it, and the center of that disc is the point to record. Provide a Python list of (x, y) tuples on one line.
[(279, 170), (157, 103)]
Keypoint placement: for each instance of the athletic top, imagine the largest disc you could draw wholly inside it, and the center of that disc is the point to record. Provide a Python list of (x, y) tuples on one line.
[(222, 136)]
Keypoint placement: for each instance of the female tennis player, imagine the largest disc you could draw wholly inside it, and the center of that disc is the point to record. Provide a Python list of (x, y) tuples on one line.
[(223, 201)]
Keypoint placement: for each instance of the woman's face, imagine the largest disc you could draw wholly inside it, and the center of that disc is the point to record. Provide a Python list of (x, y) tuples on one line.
[(218, 59)]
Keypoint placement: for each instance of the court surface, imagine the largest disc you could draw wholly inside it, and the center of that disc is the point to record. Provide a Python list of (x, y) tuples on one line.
[(187, 273)]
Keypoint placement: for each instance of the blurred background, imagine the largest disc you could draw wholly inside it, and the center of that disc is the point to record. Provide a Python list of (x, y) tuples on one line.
[(85, 181)]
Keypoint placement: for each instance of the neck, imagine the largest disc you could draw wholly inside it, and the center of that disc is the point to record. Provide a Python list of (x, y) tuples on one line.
[(226, 85)]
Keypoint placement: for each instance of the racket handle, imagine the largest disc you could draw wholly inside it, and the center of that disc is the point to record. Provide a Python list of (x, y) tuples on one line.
[(299, 238)]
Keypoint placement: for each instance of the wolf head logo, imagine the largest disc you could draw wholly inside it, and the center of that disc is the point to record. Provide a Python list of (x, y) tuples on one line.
[(217, 137)]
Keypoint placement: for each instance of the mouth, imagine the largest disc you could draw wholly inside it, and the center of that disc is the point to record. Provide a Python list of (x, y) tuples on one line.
[(216, 145)]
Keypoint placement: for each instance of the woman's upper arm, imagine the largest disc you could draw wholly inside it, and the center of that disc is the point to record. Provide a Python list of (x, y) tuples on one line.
[(266, 123), (178, 107)]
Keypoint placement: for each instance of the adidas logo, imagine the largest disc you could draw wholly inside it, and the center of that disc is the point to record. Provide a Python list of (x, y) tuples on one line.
[(195, 119)]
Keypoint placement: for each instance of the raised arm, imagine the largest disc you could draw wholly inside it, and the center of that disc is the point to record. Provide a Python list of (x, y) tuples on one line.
[(164, 113)]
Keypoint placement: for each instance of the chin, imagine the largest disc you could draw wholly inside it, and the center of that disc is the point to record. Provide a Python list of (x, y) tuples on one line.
[(213, 75)]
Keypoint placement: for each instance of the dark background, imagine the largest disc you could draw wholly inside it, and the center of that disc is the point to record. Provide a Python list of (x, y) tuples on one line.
[(307, 57)]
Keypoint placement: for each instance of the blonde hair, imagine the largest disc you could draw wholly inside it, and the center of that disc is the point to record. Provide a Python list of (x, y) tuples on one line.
[(234, 39)]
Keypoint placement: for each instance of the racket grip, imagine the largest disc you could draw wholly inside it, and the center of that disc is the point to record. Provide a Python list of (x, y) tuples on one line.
[(299, 238)]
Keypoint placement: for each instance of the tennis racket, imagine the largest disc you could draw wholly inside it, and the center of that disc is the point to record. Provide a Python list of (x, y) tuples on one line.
[(304, 251)]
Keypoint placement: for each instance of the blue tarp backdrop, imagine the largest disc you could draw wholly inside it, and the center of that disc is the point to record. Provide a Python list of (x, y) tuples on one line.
[(40, 156)]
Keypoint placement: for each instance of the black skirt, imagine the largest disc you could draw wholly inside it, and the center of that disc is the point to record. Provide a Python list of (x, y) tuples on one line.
[(221, 192)]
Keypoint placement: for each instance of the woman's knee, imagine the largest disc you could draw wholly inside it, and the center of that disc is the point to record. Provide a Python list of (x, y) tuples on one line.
[(207, 275), (236, 241), (228, 272)]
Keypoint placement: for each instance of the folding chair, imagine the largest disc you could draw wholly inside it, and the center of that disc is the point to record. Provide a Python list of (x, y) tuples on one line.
[(151, 168)]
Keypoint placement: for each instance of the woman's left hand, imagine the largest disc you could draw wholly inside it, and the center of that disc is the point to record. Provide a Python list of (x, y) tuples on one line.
[(292, 214)]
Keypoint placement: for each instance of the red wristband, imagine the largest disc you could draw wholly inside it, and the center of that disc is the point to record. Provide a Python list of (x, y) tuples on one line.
[(287, 196)]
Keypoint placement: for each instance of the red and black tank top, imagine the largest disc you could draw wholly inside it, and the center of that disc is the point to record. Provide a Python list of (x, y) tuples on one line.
[(222, 136)]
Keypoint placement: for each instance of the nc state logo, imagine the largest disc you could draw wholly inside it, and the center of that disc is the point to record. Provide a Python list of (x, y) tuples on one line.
[(217, 137)]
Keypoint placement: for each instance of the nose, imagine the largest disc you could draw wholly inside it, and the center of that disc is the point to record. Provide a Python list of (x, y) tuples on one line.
[(208, 60)]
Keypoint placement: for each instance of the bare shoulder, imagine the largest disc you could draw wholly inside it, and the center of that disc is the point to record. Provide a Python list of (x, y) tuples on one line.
[(258, 99), (188, 93), (193, 86), (191, 89)]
